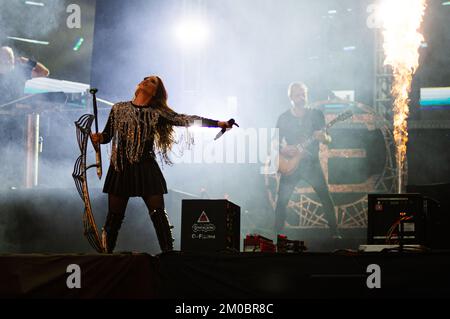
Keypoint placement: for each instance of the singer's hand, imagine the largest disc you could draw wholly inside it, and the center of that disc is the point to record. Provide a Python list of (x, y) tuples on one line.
[(225, 125), (96, 138)]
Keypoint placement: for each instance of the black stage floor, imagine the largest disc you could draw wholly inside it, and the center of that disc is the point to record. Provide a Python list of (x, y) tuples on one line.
[(227, 275)]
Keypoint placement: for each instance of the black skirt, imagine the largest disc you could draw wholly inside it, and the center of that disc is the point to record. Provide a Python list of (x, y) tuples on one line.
[(138, 179)]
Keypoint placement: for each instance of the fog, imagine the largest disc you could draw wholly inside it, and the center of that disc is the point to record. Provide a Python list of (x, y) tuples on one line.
[(252, 52)]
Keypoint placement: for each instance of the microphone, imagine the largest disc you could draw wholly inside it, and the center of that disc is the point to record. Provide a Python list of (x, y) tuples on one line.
[(222, 131)]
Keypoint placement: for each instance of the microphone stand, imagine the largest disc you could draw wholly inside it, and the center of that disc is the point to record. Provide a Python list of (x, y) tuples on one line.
[(98, 151)]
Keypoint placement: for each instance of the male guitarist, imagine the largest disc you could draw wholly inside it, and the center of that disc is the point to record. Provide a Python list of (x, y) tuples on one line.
[(295, 126)]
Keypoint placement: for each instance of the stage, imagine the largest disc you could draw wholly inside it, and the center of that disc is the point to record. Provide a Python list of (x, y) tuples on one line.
[(227, 275), (343, 141)]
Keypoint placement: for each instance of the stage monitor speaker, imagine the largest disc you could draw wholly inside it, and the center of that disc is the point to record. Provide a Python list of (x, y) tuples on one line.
[(438, 217), (210, 225), (389, 213)]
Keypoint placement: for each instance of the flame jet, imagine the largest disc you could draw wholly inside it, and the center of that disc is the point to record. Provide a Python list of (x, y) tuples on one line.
[(401, 21)]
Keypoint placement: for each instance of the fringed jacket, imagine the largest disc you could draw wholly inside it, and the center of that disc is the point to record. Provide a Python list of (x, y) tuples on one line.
[(132, 130)]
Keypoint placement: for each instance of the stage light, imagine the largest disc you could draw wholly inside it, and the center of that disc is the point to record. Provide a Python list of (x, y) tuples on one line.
[(78, 44), (29, 40), (191, 33), (32, 3)]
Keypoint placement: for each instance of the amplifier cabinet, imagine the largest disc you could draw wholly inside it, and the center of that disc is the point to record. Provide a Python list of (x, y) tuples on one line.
[(210, 225), (389, 213)]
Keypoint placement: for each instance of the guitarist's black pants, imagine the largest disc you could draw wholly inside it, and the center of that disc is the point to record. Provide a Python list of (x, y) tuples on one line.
[(311, 172)]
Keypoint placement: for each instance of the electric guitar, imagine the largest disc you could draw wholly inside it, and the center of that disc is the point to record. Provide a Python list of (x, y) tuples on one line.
[(288, 164)]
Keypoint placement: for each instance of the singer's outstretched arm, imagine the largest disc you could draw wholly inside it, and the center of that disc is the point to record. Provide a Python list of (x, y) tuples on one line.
[(168, 115), (178, 119)]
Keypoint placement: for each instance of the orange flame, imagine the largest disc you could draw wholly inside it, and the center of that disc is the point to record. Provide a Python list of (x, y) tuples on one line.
[(401, 20)]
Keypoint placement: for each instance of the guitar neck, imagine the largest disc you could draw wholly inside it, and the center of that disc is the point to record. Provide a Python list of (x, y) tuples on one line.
[(339, 118)]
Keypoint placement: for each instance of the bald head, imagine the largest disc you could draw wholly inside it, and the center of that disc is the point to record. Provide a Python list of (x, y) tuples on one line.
[(298, 94)]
